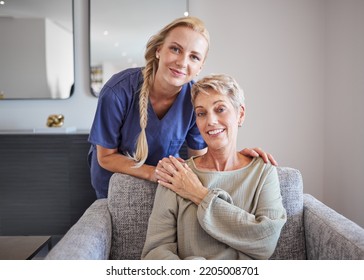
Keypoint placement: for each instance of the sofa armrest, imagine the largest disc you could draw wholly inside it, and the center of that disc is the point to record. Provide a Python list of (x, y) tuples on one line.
[(330, 235), (89, 238)]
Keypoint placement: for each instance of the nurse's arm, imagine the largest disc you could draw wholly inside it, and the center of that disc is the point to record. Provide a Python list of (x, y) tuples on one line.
[(113, 161)]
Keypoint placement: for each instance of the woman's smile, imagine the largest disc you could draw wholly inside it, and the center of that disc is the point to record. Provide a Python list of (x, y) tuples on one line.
[(215, 132), (177, 73)]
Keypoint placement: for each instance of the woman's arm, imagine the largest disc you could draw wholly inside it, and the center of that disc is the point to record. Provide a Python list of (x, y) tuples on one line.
[(113, 161), (161, 239), (255, 234)]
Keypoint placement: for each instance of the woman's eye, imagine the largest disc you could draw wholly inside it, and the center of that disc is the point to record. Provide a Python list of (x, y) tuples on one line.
[(220, 109), (195, 57), (200, 114), (175, 49)]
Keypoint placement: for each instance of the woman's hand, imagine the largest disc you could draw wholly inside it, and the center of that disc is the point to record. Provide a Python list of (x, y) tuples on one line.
[(258, 152), (175, 175), (162, 171)]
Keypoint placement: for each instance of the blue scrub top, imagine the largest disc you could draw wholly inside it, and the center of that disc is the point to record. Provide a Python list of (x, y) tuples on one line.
[(116, 125)]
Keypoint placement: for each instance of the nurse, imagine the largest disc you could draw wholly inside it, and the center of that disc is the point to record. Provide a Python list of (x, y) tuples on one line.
[(146, 114)]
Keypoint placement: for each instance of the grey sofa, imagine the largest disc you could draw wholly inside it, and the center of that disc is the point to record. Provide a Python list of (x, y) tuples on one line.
[(115, 228)]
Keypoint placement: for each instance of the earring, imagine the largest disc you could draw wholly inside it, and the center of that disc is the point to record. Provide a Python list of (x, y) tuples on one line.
[(157, 56)]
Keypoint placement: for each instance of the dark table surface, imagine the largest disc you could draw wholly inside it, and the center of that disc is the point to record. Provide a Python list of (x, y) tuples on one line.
[(22, 247)]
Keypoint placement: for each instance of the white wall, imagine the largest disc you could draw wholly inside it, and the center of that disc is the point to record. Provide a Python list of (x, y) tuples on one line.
[(344, 114), (275, 50), (301, 65)]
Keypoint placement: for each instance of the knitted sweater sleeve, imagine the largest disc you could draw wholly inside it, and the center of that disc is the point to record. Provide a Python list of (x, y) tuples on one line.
[(161, 242)]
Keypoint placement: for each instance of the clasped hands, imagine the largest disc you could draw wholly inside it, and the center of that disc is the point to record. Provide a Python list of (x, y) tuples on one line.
[(176, 175)]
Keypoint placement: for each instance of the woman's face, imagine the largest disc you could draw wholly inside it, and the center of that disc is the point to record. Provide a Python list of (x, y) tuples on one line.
[(181, 57), (217, 120)]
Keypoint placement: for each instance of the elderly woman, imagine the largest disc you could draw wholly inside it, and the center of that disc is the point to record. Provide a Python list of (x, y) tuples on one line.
[(221, 205)]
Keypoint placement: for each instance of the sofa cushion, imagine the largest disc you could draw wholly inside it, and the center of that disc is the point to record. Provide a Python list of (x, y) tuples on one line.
[(130, 202), (291, 244)]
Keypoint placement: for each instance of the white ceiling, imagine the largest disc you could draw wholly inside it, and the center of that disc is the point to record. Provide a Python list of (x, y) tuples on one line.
[(129, 23)]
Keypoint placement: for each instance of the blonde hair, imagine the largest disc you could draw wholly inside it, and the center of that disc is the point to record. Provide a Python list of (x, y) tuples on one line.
[(149, 72), (223, 84)]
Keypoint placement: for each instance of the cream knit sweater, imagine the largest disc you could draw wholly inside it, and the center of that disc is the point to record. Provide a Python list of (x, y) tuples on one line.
[(240, 218)]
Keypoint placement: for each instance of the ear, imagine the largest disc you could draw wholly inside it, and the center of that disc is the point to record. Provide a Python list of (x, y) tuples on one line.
[(157, 53), (198, 72), (241, 115), (201, 67)]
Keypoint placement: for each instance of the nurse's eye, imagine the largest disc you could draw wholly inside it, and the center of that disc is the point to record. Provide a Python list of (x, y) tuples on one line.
[(175, 49), (195, 58), (200, 114)]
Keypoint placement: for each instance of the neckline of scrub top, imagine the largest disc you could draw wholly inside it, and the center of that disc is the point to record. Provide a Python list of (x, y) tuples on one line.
[(173, 108)]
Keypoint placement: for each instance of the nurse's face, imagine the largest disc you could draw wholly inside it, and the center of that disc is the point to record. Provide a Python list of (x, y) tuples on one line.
[(181, 57)]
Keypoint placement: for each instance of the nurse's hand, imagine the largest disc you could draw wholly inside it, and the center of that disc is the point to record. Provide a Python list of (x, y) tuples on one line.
[(178, 177), (258, 152), (162, 172)]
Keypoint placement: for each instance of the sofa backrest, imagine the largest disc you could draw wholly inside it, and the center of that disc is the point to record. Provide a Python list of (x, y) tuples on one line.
[(291, 244), (130, 202)]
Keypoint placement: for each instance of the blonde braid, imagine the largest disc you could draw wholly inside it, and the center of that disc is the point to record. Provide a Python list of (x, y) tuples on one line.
[(149, 71), (141, 152)]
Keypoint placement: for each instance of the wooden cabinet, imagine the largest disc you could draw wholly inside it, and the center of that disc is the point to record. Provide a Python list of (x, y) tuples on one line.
[(44, 182)]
